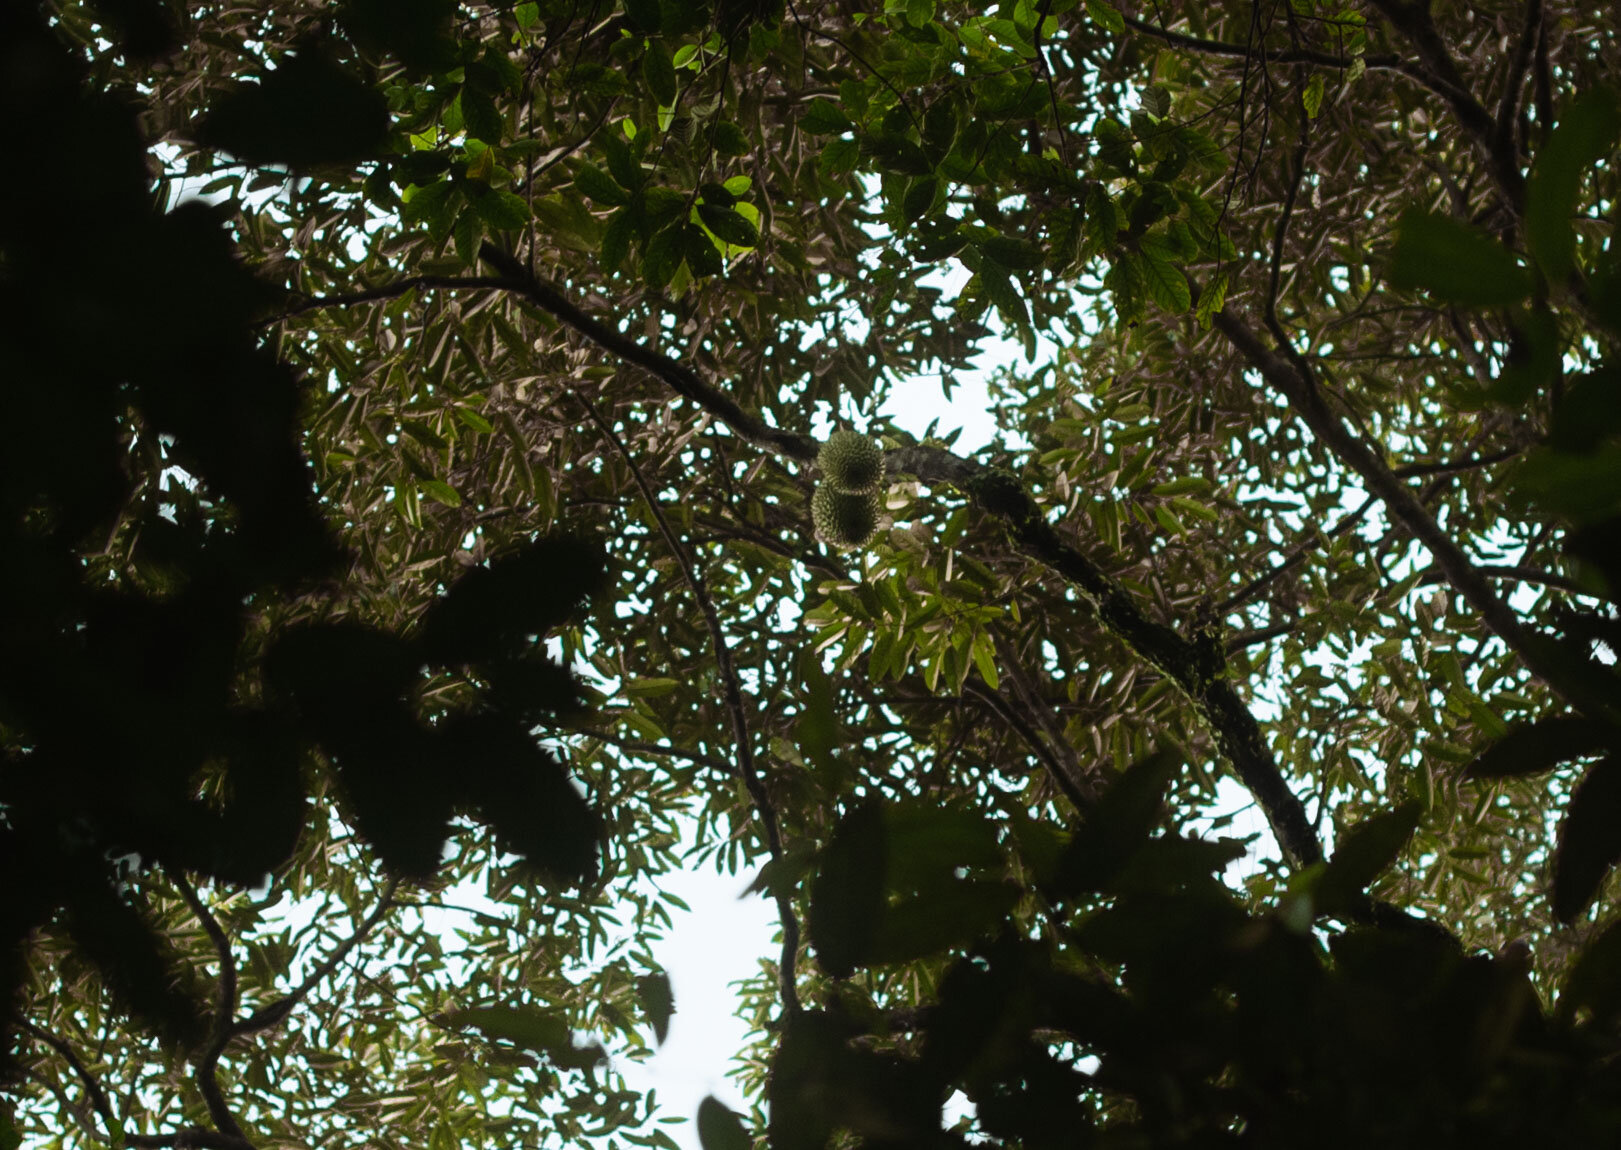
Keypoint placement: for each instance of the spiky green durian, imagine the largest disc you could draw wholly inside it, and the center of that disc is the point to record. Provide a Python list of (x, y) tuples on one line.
[(843, 518), (851, 463)]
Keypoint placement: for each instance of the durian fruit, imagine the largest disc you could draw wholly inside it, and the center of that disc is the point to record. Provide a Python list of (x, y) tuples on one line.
[(842, 518), (851, 463)]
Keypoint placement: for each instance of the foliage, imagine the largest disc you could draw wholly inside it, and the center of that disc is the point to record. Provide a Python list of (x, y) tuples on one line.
[(415, 411)]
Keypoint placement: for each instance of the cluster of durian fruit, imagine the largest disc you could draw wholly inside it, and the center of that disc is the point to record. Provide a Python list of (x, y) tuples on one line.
[(846, 503)]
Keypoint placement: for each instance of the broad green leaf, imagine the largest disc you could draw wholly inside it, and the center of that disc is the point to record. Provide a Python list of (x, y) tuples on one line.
[(480, 116), (824, 117), (500, 209), (1456, 262), (1586, 133), (441, 492), (1312, 97), (1166, 284), (1106, 16), (658, 71), (599, 186), (728, 225)]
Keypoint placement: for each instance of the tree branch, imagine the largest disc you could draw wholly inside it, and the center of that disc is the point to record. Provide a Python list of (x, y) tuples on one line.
[(644, 748), (276, 1012), (733, 697), (1069, 785), (1406, 507), (1195, 667), (92, 1087), (208, 1066)]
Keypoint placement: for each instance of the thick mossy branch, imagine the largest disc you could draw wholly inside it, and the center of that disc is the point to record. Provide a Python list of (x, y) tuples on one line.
[(1197, 667)]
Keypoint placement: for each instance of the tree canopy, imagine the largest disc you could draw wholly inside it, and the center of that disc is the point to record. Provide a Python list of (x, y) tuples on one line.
[(414, 513)]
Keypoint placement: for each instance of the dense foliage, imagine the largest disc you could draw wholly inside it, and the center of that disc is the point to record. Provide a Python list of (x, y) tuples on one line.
[(416, 417)]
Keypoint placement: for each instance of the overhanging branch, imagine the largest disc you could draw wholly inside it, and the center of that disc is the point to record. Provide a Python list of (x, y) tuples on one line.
[(1197, 667)]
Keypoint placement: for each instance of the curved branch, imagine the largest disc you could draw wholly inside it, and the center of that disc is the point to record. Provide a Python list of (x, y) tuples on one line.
[(92, 1087), (1031, 738), (276, 1012), (208, 1083)]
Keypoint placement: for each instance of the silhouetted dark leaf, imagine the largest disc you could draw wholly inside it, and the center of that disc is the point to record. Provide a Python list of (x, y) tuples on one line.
[(522, 792), (417, 32), (1532, 748), (496, 610), (847, 895), (533, 1028), (1585, 134), (1589, 839), (658, 1002), (720, 1128), (308, 112), (1594, 983), (1116, 826), (1364, 853)]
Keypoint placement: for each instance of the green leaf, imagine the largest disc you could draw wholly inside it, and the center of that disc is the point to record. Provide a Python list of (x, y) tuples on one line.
[(480, 116), (1106, 16), (1586, 134), (531, 1027), (728, 225), (824, 118), (1211, 300), (500, 209), (1166, 285), (1457, 262), (729, 139), (720, 1128), (658, 71), (700, 253), (1364, 853), (616, 239), (599, 186), (919, 12), (1532, 748), (441, 492), (658, 1002), (1012, 252), (1312, 98), (1589, 839), (838, 158)]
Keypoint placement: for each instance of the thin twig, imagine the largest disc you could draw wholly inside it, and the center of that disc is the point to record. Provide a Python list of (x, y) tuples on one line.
[(1061, 778), (643, 748), (733, 696), (1296, 557)]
